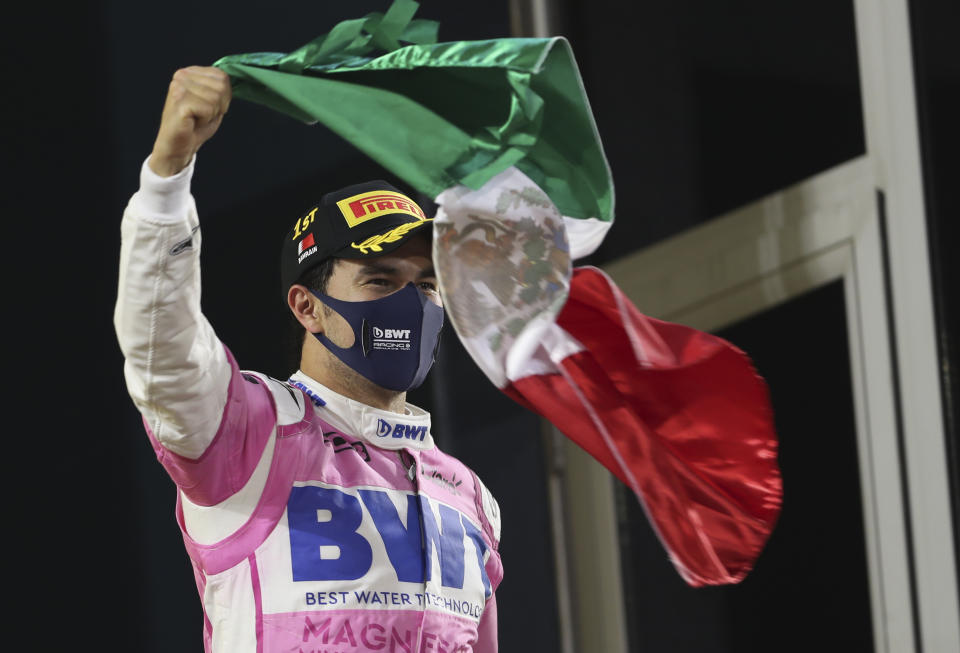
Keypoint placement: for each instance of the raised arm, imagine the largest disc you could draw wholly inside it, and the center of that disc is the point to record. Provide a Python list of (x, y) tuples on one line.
[(196, 102), (177, 371)]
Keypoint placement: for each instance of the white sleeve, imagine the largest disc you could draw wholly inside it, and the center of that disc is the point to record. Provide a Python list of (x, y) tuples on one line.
[(176, 369)]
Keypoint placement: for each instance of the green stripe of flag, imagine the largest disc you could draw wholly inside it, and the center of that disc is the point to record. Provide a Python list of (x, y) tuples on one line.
[(441, 114)]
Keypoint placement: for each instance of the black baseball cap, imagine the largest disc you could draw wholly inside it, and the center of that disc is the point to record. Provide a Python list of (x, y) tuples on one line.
[(364, 220)]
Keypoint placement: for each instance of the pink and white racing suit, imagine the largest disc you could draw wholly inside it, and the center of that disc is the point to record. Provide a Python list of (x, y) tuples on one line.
[(313, 522)]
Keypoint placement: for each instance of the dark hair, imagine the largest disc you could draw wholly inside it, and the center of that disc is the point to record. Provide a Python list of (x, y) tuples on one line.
[(316, 278)]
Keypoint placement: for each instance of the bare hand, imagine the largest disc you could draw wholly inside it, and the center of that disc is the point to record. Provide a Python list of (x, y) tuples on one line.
[(196, 102)]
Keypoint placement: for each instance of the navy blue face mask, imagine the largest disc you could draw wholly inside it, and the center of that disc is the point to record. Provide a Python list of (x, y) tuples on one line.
[(395, 337)]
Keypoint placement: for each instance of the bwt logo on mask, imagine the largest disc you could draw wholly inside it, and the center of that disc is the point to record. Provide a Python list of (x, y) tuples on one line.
[(391, 339), (408, 431), (391, 334)]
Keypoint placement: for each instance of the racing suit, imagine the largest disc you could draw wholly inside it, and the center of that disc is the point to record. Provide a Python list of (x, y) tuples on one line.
[(313, 522)]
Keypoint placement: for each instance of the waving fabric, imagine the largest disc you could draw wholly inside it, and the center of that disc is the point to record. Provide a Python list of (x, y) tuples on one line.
[(501, 134)]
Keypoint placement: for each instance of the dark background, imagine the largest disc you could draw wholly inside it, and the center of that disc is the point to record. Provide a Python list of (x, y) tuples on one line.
[(702, 106)]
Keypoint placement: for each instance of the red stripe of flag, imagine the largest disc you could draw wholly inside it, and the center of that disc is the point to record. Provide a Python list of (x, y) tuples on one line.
[(678, 415)]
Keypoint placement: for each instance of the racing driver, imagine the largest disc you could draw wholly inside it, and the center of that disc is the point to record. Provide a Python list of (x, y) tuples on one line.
[(317, 513)]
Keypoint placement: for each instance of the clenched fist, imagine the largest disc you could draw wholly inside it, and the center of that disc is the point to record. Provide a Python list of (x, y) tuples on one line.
[(197, 99)]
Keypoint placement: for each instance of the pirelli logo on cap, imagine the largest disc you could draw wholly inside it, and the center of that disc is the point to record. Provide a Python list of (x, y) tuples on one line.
[(373, 204)]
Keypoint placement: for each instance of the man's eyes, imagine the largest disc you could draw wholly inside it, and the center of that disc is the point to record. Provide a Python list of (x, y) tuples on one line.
[(382, 282)]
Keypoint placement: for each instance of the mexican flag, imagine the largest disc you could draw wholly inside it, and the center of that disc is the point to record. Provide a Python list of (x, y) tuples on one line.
[(501, 134)]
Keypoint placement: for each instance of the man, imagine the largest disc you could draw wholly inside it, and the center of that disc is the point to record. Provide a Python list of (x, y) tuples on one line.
[(317, 513)]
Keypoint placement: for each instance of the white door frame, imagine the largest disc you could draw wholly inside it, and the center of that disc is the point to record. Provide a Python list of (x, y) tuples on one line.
[(827, 228), (821, 230), (893, 147)]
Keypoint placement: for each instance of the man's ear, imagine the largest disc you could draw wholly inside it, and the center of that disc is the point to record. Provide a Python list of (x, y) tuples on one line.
[(306, 308)]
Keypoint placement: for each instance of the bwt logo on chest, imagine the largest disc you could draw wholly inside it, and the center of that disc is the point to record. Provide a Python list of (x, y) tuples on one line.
[(328, 541), (408, 431)]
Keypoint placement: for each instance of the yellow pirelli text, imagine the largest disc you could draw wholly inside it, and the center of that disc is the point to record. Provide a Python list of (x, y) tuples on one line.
[(373, 204), (375, 243)]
